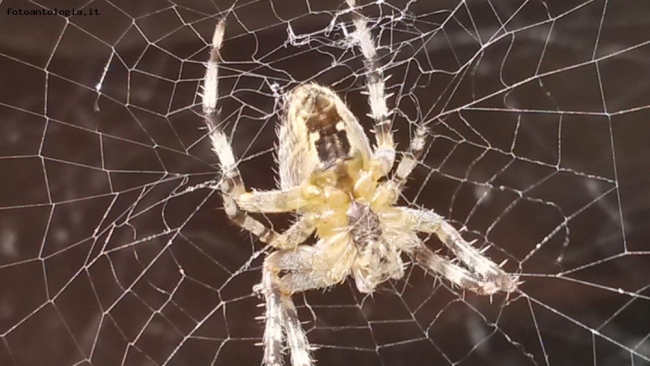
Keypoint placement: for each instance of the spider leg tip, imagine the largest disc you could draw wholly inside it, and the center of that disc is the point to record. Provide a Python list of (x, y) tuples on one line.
[(219, 31)]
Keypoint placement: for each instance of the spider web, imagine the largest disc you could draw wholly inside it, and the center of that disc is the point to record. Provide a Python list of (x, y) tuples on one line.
[(538, 113)]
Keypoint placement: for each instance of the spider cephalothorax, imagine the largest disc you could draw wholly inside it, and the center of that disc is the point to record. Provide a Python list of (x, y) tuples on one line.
[(342, 192)]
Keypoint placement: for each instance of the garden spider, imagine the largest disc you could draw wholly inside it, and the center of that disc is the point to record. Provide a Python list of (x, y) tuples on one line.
[(338, 185)]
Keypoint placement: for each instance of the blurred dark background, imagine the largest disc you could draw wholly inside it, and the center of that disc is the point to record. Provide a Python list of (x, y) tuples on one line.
[(538, 113)]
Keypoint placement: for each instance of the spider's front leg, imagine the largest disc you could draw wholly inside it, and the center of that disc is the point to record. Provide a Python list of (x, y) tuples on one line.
[(452, 272), (280, 309), (492, 277)]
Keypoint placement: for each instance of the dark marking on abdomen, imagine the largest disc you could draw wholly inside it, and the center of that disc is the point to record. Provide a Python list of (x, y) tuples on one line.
[(332, 147), (327, 129)]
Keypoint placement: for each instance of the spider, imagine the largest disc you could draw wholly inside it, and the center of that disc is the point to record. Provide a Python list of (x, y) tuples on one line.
[(341, 190)]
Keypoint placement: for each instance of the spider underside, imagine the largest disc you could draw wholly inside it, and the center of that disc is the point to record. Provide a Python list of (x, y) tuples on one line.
[(340, 189)]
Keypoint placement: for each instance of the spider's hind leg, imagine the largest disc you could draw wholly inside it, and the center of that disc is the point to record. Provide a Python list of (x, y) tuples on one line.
[(235, 197), (231, 185), (385, 152)]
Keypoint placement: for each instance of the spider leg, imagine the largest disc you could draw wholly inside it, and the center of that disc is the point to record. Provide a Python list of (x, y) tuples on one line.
[(264, 233), (232, 187), (388, 192), (232, 180), (210, 82), (274, 318), (296, 233), (385, 152), (455, 274), (489, 272), (296, 337), (410, 159), (280, 309)]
